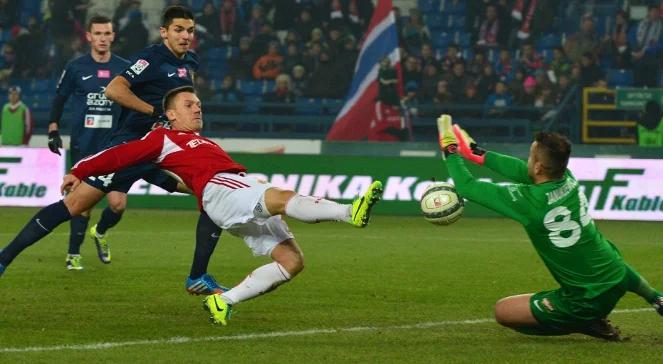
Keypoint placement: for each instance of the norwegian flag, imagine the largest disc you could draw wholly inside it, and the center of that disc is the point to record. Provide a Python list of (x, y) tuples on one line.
[(381, 40)]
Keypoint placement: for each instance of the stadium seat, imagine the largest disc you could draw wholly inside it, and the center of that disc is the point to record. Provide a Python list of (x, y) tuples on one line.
[(620, 77), (250, 88), (549, 41), (435, 21), (456, 22), (453, 7), (197, 5), (308, 106), (442, 40), (428, 6), (463, 39), (331, 106), (217, 55)]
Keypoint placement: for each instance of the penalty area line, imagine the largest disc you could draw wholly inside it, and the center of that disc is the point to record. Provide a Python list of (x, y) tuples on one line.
[(257, 336)]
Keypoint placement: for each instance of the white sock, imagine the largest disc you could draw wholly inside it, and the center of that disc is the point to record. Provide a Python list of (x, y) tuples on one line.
[(314, 209), (260, 281)]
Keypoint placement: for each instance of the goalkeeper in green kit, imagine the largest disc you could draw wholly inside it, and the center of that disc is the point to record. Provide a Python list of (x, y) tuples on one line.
[(546, 200)]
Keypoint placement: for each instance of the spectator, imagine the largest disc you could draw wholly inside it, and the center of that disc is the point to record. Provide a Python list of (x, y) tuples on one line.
[(270, 65), (516, 84), (471, 98), (529, 92), (563, 87), (231, 99), (203, 89), (32, 59), (427, 57), (450, 58), (324, 79), (7, 62), (415, 31), (505, 65), (429, 82), (292, 58), (412, 70), (531, 17), (16, 123), (442, 94), (559, 64), (316, 38), (133, 34), (311, 56), (647, 49), (410, 100), (497, 102), (256, 21), (491, 33), (590, 72), (388, 84), (487, 81), (282, 94), (299, 80), (476, 65), (283, 14), (304, 24), (241, 64), (228, 22), (335, 41), (8, 13), (260, 43), (583, 41), (615, 44), (530, 61), (458, 80), (209, 20)]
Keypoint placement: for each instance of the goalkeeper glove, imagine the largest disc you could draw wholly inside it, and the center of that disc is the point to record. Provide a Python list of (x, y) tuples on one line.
[(54, 141), (467, 147), (447, 139)]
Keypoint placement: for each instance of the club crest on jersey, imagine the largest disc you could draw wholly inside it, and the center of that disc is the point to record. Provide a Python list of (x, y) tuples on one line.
[(103, 74), (196, 142), (89, 121), (181, 72), (139, 66)]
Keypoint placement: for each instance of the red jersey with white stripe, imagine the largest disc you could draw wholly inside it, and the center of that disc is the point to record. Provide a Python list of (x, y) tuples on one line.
[(192, 157)]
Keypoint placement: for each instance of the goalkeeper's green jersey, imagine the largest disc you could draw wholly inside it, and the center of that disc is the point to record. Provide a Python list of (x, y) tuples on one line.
[(554, 214)]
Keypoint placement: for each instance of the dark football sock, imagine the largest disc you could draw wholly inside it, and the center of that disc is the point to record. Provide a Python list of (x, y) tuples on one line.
[(207, 235), (39, 226), (108, 220), (78, 227)]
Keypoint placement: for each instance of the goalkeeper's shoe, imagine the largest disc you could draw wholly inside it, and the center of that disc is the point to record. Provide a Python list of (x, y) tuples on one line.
[(204, 284), (361, 207), (219, 310), (603, 329), (103, 248), (73, 262), (658, 304)]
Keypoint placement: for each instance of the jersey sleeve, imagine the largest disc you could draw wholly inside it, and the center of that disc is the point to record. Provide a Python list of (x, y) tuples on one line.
[(120, 156), (507, 200), (67, 82), (512, 168), (144, 68)]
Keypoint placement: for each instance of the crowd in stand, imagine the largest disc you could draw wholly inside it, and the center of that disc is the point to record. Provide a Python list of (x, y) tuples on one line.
[(499, 56)]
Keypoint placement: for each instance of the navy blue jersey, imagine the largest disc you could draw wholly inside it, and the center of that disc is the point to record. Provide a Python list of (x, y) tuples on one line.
[(94, 116), (152, 73)]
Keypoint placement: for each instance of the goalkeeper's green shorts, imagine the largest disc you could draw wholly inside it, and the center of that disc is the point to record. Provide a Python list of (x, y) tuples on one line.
[(558, 309)]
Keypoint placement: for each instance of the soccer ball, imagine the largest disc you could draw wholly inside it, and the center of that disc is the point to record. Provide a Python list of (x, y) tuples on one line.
[(441, 204)]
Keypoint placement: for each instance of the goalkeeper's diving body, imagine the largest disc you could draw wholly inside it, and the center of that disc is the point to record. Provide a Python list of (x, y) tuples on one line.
[(546, 200)]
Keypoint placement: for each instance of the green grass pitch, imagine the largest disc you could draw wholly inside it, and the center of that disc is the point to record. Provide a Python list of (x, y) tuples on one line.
[(401, 290)]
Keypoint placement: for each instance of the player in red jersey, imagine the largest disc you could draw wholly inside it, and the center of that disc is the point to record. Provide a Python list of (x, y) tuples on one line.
[(236, 202)]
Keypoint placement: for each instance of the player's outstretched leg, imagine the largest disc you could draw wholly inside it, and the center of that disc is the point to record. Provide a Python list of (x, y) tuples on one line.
[(103, 247), (218, 309), (639, 285), (361, 207), (316, 209)]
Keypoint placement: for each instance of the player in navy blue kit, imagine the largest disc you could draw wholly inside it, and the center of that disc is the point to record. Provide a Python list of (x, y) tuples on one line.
[(93, 120), (140, 88)]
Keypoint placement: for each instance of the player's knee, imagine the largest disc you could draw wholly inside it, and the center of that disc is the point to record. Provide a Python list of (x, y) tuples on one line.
[(293, 263), (117, 205), (502, 313)]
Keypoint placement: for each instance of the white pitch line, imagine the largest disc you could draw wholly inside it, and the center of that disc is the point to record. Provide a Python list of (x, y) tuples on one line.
[(266, 335)]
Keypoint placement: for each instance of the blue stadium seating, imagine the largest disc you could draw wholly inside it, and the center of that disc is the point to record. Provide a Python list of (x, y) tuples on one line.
[(549, 41), (620, 77), (250, 88), (453, 7), (442, 40), (308, 106), (428, 6)]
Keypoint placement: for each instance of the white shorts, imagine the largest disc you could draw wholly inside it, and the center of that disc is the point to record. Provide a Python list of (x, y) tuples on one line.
[(233, 201)]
